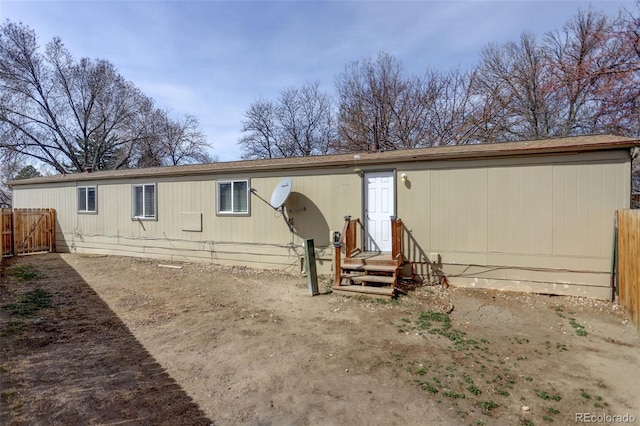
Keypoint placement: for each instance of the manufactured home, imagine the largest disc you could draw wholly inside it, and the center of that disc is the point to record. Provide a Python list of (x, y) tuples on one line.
[(529, 216)]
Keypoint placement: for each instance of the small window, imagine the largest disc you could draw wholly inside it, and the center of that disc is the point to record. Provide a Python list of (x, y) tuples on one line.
[(144, 201), (233, 197), (87, 199)]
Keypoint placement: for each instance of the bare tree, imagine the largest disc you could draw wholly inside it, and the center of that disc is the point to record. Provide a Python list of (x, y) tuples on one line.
[(514, 81), (306, 121), (10, 165), (72, 114), (452, 114), (623, 74), (371, 93), (631, 27), (261, 128), (595, 75), (299, 124), (169, 142), (381, 109), (583, 79), (5, 194), (576, 55), (185, 142)]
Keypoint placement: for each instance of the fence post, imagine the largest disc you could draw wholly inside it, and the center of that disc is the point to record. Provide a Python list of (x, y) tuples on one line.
[(14, 228), (52, 241), (6, 230)]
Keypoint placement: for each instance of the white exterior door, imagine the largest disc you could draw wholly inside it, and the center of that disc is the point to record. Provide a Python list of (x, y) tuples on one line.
[(379, 206)]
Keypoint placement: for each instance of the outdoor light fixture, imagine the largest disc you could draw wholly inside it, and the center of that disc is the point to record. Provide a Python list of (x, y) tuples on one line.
[(403, 177)]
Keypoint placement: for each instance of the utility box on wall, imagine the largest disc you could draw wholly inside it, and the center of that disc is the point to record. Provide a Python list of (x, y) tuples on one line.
[(191, 221)]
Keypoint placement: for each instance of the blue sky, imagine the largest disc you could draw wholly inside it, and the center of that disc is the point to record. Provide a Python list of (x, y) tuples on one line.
[(212, 59)]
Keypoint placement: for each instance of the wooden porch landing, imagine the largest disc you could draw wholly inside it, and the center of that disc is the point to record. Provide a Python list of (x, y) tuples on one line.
[(371, 273)]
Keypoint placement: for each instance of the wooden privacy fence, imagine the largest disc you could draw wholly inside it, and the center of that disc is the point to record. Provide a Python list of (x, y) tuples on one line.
[(6, 226), (628, 251), (27, 231)]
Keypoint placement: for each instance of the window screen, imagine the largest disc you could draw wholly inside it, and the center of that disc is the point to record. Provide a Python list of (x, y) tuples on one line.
[(233, 197), (144, 201)]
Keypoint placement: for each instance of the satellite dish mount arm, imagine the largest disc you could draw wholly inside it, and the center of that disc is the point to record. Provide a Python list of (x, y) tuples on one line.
[(279, 198)]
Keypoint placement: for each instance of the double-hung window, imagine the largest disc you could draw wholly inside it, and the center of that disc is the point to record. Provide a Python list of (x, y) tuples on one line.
[(87, 199), (233, 197), (144, 201)]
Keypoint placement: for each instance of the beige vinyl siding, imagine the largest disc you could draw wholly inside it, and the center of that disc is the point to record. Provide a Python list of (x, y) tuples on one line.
[(538, 224), (520, 218), (316, 206)]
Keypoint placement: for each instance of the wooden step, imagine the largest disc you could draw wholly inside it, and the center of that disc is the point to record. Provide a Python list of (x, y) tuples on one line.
[(375, 279), (367, 262), (389, 262), (352, 266), (353, 275), (349, 278), (357, 289), (380, 268)]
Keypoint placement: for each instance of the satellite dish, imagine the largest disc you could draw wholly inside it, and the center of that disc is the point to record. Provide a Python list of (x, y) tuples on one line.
[(281, 193)]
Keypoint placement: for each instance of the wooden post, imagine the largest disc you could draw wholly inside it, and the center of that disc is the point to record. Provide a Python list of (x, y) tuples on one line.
[(310, 266), (396, 237), (337, 267), (347, 236), (14, 223), (52, 243), (6, 228)]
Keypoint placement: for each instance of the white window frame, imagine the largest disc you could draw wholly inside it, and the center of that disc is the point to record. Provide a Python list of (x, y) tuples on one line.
[(86, 189), (232, 212), (144, 205)]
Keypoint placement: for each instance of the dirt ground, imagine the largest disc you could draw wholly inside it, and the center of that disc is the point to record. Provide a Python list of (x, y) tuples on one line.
[(113, 340)]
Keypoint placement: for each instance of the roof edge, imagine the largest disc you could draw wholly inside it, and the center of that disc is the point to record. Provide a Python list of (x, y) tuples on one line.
[(450, 152)]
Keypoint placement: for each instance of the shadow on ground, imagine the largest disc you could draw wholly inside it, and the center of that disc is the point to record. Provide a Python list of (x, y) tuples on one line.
[(71, 360)]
